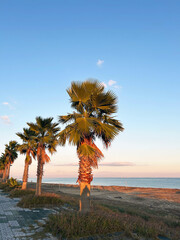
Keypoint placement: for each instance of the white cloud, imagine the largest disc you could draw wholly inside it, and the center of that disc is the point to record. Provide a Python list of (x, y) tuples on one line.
[(5, 119), (100, 62), (9, 105), (111, 82), (5, 103), (111, 164), (119, 164), (104, 84), (117, 87), (66, 164)]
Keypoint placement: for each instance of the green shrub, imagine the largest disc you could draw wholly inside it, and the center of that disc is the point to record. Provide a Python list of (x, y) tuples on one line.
[(13, 183)]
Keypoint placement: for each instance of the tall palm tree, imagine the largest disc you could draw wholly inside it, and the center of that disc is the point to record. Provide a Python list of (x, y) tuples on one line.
[(11, 155), (91, 119), (28, 147), (3, 164), (46, 138)]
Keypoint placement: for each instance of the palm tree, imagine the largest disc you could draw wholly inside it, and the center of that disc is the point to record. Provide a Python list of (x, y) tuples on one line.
[(28, 147), (46, 138), (11, 155), (3, 164), (91, 119)]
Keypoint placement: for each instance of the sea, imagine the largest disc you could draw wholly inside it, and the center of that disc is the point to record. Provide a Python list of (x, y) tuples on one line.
[(127, 182)]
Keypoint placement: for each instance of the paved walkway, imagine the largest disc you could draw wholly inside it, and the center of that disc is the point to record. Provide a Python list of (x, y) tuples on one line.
[(21, 223)]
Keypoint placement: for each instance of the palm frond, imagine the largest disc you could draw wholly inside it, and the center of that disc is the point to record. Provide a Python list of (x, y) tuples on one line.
[(92, 119)]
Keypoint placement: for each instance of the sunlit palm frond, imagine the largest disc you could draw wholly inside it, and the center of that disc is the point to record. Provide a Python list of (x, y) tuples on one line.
[(47, 134), (11, 151), (44, 156), (110, 120), (3, 161), (69, 117), (93, 119), (23, 148)]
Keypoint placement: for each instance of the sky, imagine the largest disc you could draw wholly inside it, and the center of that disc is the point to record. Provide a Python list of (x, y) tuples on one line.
[(131, 46)]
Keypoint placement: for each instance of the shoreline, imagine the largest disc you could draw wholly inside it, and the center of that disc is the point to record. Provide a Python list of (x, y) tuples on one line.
[(170, 183)]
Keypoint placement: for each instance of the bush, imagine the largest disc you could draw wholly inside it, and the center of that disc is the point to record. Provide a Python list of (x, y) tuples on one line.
[(69, 225), (16, 193), (5, 187), (45, 200), (13, 183), (103, 221)]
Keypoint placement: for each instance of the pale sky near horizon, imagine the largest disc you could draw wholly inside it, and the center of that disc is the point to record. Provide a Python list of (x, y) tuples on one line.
[(132, 47)]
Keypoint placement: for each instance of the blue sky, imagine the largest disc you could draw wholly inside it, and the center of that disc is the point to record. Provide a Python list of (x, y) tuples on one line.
[(44, 45)]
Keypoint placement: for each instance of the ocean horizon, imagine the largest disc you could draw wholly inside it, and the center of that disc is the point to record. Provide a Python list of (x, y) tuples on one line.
[(127, 182)]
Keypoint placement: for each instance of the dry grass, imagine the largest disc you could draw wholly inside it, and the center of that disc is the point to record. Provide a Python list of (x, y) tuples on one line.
[(146, 222), (68, 225), (105, 220), (107, 217), (5, 187), (45, 200), (30, 200), (18, 193)]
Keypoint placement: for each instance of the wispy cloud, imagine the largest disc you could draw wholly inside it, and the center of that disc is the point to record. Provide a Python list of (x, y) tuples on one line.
[(66, 164), (117, 86), (9, 105), (5, 119), (99, 62), (117, 164), (111, 82), (5, 103), (109, 164)]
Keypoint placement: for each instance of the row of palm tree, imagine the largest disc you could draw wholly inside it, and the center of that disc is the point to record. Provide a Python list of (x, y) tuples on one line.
[(92, 118), (7, 158)]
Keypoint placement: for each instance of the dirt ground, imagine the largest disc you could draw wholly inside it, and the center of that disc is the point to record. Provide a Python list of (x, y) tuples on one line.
[(166, 200)]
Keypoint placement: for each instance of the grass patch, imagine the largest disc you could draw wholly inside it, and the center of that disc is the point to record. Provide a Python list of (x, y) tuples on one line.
[(129, 211), (145, 223), (30, 200), (104, 221), (45, 200), (68, 225), (18, 193), (5, 187), (75, 225)]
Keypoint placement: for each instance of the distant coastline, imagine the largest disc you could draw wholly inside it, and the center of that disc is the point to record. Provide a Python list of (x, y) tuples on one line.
[(173, 183)]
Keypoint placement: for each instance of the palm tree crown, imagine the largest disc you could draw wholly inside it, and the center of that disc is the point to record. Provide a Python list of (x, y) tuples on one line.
[(11, 151), (46, 138), (91, 119), (46, 135), (28, 146), (3, 161), (10, 155)]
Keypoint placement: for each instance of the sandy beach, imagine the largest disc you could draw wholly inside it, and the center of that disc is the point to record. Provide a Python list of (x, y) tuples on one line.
[(166, 200)]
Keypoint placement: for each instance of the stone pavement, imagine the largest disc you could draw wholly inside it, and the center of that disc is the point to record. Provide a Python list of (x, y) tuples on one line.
[(21, 223)]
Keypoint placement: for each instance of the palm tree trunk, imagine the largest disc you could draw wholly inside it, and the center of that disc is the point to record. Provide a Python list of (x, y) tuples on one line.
[(25, 175), (4, 173), (85, 203), (39, 176), (1, 173), (85, 178), (8, 171)]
